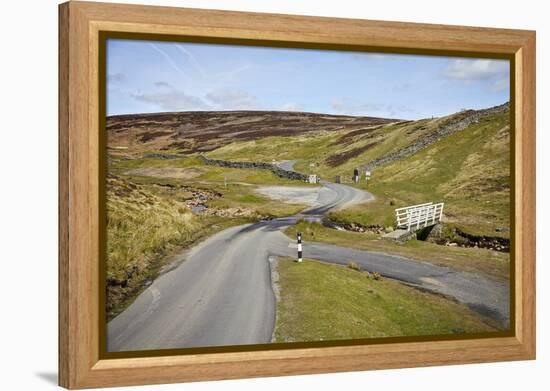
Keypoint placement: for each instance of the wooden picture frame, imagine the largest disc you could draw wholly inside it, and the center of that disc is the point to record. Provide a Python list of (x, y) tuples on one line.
[(81, 364)]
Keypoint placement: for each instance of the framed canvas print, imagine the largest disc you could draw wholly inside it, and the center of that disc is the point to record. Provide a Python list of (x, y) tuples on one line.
[(249, 195)]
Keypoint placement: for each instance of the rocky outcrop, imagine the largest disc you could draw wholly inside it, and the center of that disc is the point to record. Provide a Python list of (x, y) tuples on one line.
[(256, 166), (354, 227), (455, 124), (455, 237)]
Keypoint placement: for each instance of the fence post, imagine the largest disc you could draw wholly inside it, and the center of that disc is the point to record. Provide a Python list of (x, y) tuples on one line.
[(299, 241)]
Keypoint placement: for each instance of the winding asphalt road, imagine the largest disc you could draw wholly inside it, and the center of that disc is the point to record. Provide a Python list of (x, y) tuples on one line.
[(219, 293)]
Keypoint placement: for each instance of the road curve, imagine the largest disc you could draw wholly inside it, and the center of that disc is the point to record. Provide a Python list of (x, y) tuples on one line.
[(220, 292)]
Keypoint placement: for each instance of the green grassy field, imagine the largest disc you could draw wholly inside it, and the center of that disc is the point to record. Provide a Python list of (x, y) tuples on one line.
[(236, 186), (468, 170), (304, 147), (492, 263), (189, 170), (320, 302), (148, 218)]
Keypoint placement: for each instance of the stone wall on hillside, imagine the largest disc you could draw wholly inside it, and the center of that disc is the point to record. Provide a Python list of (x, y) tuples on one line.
[(256, 166), (453, 126)]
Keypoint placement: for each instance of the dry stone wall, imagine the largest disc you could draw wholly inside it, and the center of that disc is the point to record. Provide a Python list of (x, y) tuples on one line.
[(447, 129), (256, 166)]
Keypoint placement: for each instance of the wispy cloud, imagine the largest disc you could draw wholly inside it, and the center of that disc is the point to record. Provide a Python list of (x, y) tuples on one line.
[(233, 100), (168, 97), (230, 74), (167, 57), (193, 60), (118, 77), (161, 84), (501, 85), (351, 107), (211, 77)]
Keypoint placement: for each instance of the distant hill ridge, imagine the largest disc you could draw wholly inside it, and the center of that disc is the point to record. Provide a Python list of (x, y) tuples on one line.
[(205, 131), (202, 131)]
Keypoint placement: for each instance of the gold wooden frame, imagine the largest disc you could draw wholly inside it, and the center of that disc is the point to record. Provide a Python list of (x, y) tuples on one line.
[(80, 24)]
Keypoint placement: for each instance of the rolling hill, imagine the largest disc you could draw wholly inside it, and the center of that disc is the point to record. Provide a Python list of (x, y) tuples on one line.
[(462, 159), (202, 131), (157, 180)]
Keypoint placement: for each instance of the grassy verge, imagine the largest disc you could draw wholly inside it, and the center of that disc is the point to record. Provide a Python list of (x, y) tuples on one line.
[(492, 263), (380, 211), (328, 302)]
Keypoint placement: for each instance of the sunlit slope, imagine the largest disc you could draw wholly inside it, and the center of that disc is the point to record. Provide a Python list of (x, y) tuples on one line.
[(462, 159), (468, 170)]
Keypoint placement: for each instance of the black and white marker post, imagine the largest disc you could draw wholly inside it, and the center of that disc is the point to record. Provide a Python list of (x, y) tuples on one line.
[(299, 241)]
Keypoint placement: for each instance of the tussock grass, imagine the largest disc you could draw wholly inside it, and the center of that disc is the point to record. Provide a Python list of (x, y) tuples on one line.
[(145, 224), (140, 226)]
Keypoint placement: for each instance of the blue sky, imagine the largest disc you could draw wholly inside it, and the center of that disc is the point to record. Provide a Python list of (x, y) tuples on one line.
[(149, 76)]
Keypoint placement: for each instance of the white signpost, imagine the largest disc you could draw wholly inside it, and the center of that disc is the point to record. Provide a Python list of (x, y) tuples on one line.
[(367, 175), (299, 242)]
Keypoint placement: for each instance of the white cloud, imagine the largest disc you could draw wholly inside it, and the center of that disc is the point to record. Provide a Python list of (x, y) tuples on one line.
[(477, 69), (494, 72), (291, 107), (233, 100), (367, 56)]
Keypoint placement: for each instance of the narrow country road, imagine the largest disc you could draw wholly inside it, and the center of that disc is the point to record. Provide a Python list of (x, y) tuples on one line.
[(220, 291)]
